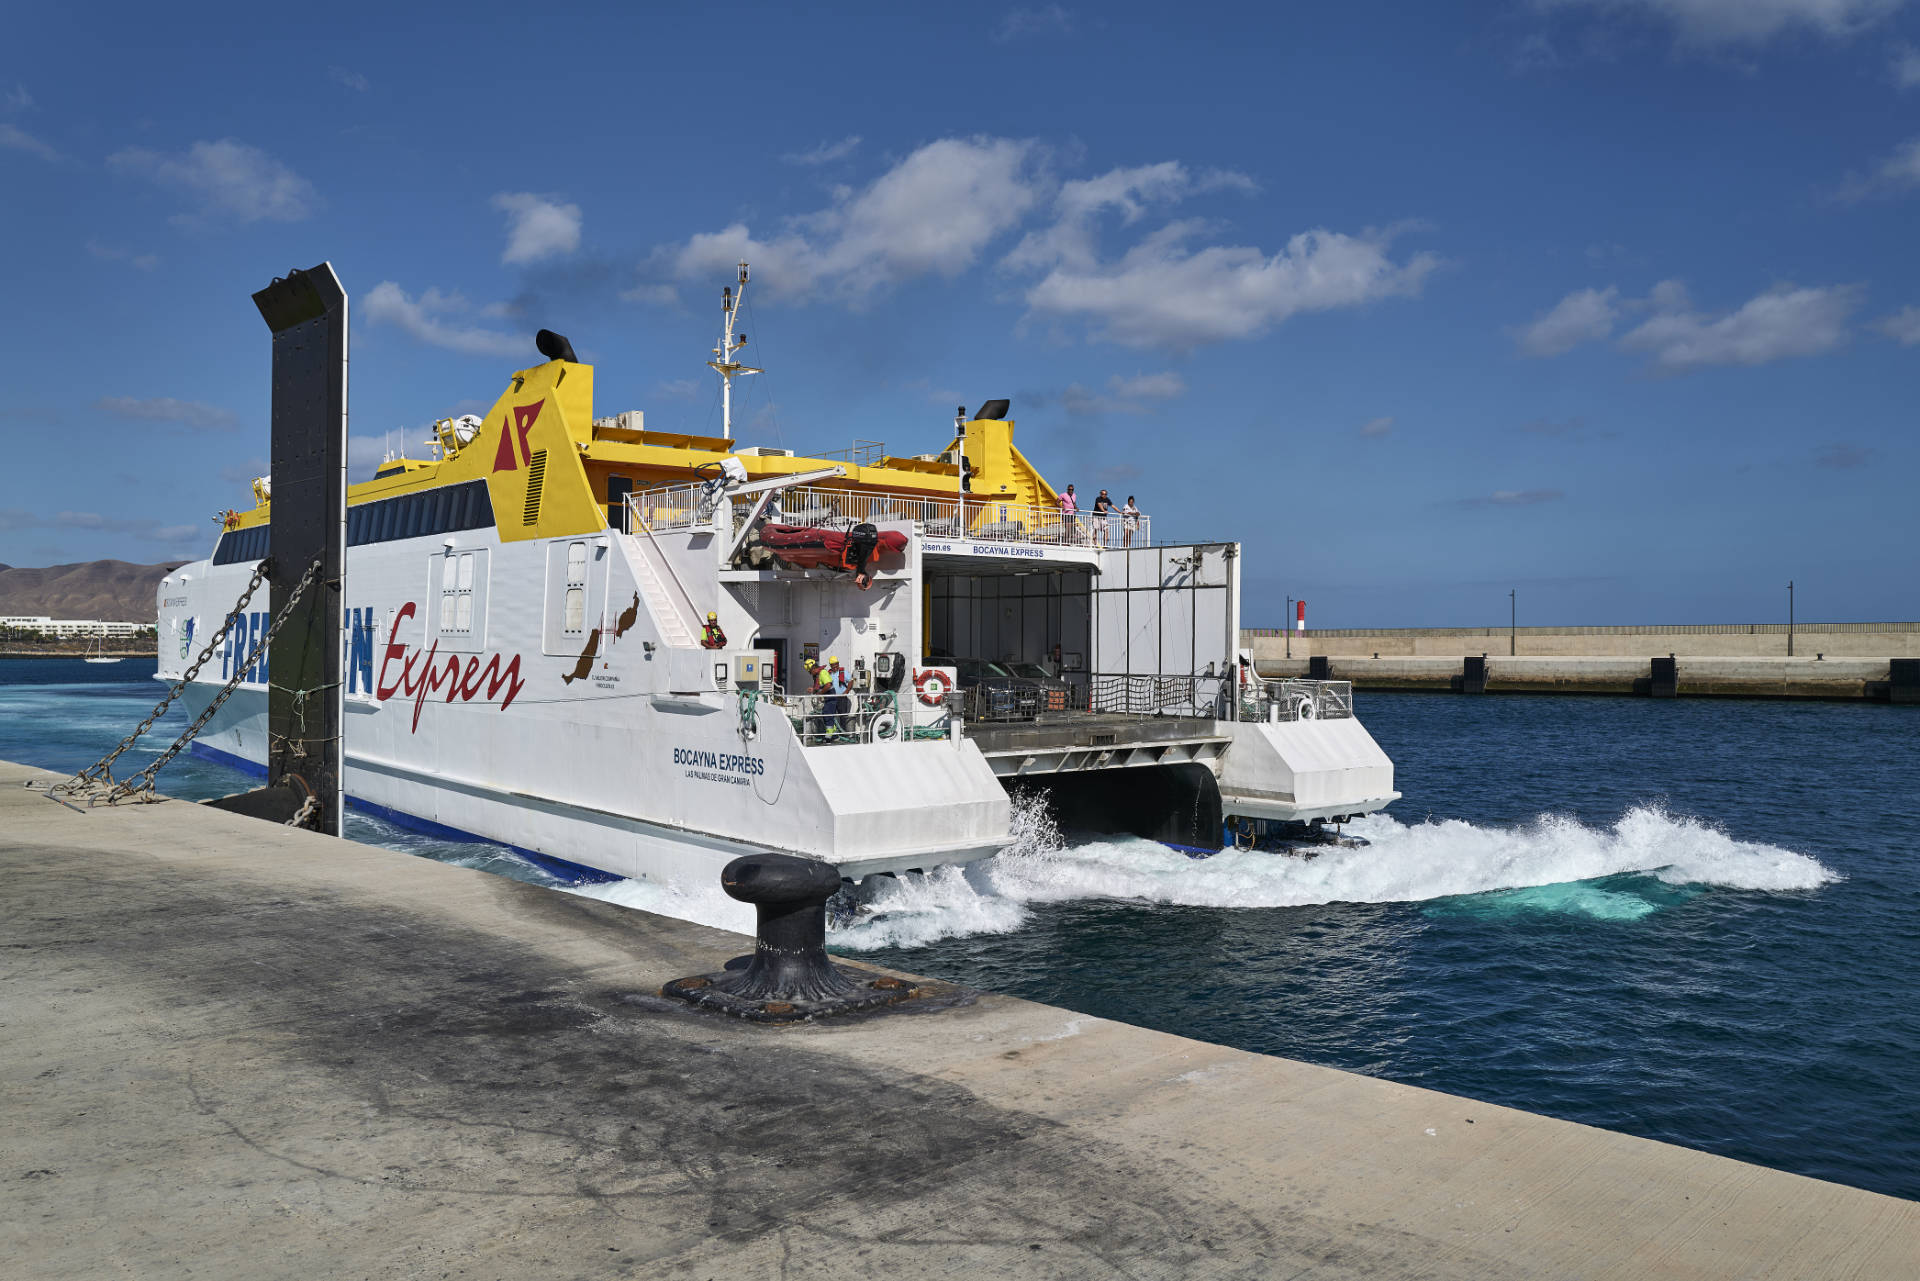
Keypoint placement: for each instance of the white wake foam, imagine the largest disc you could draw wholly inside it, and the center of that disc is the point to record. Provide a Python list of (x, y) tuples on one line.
[(1402, 863), (703, 905)]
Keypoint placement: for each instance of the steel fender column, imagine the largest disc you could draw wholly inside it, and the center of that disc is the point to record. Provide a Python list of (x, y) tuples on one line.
[(307, 312)]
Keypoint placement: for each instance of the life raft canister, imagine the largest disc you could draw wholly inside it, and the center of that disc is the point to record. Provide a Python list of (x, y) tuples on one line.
[(930, 686)]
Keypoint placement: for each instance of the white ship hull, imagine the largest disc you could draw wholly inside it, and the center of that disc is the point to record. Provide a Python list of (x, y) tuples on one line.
[(636, 766)]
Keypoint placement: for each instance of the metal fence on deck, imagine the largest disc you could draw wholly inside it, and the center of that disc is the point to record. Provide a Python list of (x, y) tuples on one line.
[(978, 519), (823, 719)]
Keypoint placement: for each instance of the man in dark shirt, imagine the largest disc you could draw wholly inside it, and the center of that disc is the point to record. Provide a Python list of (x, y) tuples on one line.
[(1102, 516)]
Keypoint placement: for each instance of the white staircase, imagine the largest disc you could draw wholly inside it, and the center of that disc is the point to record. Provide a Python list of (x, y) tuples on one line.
[(662, 594)]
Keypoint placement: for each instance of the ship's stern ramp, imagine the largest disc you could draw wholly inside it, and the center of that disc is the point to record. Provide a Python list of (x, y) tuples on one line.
[(1307, 758)]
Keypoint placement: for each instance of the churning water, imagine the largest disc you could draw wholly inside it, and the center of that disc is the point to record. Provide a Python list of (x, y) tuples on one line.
[(1695, 921)]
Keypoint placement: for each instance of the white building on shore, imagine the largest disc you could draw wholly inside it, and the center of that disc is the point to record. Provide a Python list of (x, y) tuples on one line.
[(68, 628)]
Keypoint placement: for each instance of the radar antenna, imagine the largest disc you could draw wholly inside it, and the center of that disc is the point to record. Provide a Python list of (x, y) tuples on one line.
[(726, 366)]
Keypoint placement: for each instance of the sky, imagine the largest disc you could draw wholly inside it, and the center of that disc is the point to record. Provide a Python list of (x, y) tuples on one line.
[(1612, 304)]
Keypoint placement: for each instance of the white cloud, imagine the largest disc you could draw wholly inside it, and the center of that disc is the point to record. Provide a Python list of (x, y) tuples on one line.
[(678, 388), (930, 214), (351, 79), (115, 253), (18, 100), (1906, 67), (659, 295), (1162, 386), (1070, 240), (165, 409), (1902, 326), (1133, 395), (1375, 428), (1900, 171), (425, 320), (1720, 22), (1161, 293), (826, 153), (537, 226), (152, 531), (1780, 324), (1514, 498), (18, 139), (364, 456), (1586, 315), (228, 179), (1041, 21)]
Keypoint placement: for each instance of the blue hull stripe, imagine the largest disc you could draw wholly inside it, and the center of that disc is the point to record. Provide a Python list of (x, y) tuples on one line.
[(561, 869)]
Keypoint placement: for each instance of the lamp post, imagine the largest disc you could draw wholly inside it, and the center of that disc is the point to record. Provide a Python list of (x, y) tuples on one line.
[(1513, 623), (1789, 618)]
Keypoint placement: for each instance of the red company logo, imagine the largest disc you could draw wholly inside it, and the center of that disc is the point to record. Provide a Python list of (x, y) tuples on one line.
[(523, 419), (464, 684)]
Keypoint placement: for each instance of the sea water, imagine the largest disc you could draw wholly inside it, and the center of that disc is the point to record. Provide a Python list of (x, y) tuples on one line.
[(1691, 920)]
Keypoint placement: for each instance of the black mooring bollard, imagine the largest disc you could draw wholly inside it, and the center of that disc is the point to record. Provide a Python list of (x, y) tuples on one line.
[(790, 977), (790, 943)]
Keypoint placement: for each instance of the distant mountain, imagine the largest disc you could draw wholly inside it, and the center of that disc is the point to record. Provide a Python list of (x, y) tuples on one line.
[(110, 590)]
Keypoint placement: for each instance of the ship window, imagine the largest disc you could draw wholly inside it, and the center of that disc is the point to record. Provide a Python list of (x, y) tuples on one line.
[(435, 511), (576, 562), (576, 616), (456, 593)]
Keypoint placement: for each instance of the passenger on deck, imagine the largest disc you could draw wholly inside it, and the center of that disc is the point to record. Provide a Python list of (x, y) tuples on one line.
[(1129, 522), (1070, 515), (1102, 517)]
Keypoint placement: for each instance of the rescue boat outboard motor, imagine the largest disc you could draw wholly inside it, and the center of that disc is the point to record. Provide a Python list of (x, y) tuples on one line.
[(555, 347)]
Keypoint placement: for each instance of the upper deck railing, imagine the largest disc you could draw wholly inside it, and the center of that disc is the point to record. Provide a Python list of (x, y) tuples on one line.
[(973, 517)]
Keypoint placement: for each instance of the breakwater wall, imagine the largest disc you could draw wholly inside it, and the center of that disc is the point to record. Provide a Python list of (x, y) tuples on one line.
[(1855, 679), (1682, 640)]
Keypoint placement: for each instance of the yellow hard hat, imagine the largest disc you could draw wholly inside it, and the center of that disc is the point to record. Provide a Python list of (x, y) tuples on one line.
[(834, 661), (811, 663), (711, 615)]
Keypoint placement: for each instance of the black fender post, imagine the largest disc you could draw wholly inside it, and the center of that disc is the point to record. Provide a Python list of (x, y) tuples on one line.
[(307, 314)]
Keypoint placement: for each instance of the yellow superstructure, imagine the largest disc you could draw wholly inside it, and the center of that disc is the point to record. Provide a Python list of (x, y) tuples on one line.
[(551, 471)]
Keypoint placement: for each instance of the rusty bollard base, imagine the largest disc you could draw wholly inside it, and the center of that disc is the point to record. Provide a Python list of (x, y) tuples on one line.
[(863, 993)]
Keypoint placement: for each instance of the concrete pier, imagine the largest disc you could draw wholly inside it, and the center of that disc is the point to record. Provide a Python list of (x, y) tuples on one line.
[(236, 1050), (1851, 679)]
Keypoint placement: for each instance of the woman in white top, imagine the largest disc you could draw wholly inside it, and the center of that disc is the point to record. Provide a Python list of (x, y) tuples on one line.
[(1129, 521)]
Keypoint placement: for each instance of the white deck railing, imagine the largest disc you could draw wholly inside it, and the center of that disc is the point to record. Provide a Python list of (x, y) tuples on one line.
[(976, 518)]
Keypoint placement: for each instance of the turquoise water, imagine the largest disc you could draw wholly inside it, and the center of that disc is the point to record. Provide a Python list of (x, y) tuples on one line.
[(1695, 921)]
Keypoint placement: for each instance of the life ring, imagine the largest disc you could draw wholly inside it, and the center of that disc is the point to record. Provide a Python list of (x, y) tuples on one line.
[(884, 727), (1304, 708), (930, 685)]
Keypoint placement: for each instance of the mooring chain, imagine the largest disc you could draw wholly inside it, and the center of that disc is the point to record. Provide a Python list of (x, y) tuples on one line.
[(143, 781), (308, 808), (100, 771), (99, 775)]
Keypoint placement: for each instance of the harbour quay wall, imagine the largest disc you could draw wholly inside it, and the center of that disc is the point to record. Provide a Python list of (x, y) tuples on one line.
[(1868, 679), (1685, 640), (234, 1049)]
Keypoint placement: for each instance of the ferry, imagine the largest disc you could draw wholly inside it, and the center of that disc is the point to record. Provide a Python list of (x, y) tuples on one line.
[(600, 645)]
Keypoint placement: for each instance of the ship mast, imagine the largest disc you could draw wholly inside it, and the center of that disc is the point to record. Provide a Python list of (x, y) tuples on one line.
[(726, 366)]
